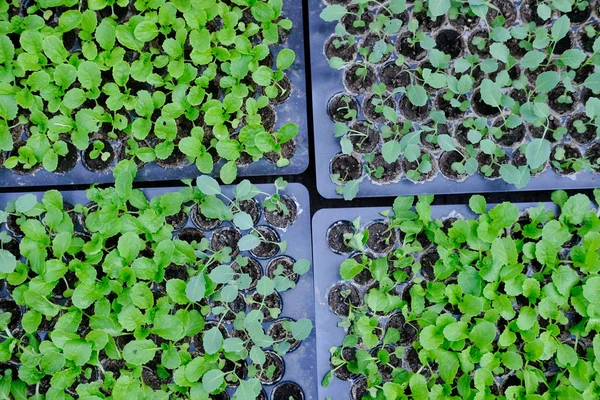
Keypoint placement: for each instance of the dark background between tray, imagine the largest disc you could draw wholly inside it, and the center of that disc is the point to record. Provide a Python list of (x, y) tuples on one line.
[(308, 178)]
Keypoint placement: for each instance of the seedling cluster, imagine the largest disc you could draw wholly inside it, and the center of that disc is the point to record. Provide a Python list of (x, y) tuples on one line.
[(497, 88), (170, 82), (170, 297), (497, 304)]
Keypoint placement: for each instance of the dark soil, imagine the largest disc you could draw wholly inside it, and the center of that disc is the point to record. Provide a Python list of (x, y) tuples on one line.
[(408, 333), (464, 21), (412, 166), (335, 236), (20, 168), (533, 74), (479, 33), (13, 247), (226, 237), (564, 44), (369, 41), (268, 117), (413, 363), (252, 268), (391, 171), (239, 369), (278, 333), (174, 271), (9, 306), (519, 159), (590, 130), (349, 21), (67, 162), (359, 391), (510, 137), (571, 152), (586, 94), (268, 245), (203, 223), (554, 104), (236, 306), (481, 108), (518, 95), (393, 363), (348, 167), (370, 103), (13, 225), (410, 50), (450, 111), (515, 49), (342, 372), (220, 396), (529, 13), (251, 208), (271, 377), (506, 9), (450, 42), (486, 159), (394, 76), (428, 260), (584, 40), (262, 303), (342, 296), (593, 156), (288, 268), (583, 73), (280, 218), (190, 235), (177, 221), (339, 106), (425, 21), (445, 163), (175, 160), (412, 112), (577, 15), (382, 238), (357, 83), (288, 149), (345, 51), (364, 136), (442, 129), (541, 131), (284, 91), (364, 277), (287, 391), (97, 164)]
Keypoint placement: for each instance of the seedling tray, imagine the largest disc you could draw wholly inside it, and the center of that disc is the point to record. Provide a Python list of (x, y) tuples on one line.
[(293, 110), (326, 266), (327, 82), (297, 303)]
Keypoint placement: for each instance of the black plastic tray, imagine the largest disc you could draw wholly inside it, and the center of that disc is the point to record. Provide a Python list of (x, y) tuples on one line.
[(293, 110), (300, 363), (327, 266), (327, 82)]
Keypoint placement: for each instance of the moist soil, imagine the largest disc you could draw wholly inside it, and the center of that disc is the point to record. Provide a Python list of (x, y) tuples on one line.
[(177, 221), (174, 271), (393, 363), (505, 8), (226, 237), (67, 162), (533, 74), (571, 152), (236, 306), (347, 166), (278, 333), (20, 168), (586, 136), (9, 306), (554, 104), (583, 73), (268, 117), (356, 83), (271, 360), (408, 333), (342, 296), (287, 391), (478, 33), (412, 112), (393, 76), (593, 155), (510, 136), (339, 105), (278, 218), (529, 13), (268, 242), (358, 391), (190, 235), (364, 136), (348, 21), (370, 108), (541, 132), (239, 369), (585, 41), (391, 171), (515, 49), (335, 236), (175, 160), (288, 149), (252, 268), (251, 208), (425, 21), (13, 247), (342, 372), (412, 166), (445, 163), (288, 268), (203, 223), (428, 260), (486, 159), (519, 159), (442, 129), (564, 44), (346, 51), (450, 42), (382, 238), (284, 91), (13, 226), (369, 42), (481, 108), (410, 50), (578, 15), (269, 302), (97, 164), (364, 277), (464, 21), (450, 111)]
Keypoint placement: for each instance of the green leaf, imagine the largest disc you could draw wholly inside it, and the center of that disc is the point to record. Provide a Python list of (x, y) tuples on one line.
[(25, 203), (546, 81), (448, 365), (490, 93), (302, 328), (350, 268), (532, 59), (145, 31), (208, 185), (456, 331), (212, 380), (430, 338), (575, 208), (417, 95), (248, 242), (8, 262), (483, 334), (560, 28), (565, 278), (515, 176), (78, 350), (500, 52), (54, 49), (212, 340), (41, 304), (438, 7), (573, 58), (196, 288), (333, 12), (477, 204), (248, 390), (285, 59), (139, 352), (593, 82), (391, 151), (537, 152)]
